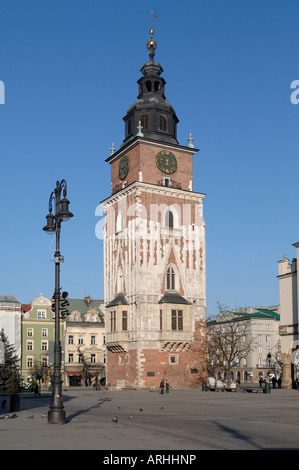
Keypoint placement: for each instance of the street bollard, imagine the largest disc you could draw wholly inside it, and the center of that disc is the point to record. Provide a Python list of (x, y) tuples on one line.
[(14, 402)]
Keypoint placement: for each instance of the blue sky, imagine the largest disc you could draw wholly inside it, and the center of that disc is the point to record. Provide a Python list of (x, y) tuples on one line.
[(70, 69)]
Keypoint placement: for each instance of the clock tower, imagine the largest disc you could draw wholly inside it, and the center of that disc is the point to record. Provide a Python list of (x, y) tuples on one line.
[(154, 248)]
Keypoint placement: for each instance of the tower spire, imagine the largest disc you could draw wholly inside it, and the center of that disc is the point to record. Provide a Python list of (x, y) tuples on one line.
[(151, 43)]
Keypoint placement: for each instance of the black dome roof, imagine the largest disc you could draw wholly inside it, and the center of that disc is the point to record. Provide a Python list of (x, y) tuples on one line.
[(151, 111)]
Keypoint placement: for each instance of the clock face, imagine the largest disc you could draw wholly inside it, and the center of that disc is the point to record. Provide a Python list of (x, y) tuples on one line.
[(124, 166), (166, 162)]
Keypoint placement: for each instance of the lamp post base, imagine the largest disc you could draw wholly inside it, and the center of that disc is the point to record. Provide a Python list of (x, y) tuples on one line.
[(56, 416)]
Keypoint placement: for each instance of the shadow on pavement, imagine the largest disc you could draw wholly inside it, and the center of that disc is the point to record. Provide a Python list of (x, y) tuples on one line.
[(80, 412)]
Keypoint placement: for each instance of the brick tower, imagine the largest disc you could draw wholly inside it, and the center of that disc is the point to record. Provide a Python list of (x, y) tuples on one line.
[(154, 248)]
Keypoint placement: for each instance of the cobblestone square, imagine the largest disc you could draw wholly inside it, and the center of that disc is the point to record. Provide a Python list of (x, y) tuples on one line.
[(184, 420)]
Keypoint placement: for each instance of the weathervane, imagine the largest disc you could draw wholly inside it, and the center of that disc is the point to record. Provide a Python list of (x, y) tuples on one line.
[(151, 43)]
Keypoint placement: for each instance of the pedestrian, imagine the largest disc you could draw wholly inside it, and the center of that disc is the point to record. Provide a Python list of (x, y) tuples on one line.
[(279, 382), (273, 381), (261, 382), (162, 386), (167, 387), (35, 390)]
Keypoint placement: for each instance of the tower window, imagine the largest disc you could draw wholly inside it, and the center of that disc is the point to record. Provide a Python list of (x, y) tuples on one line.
[(113, 321), (125, 321), (129, 126), (162, 123), (144, 121), (170, 278), (148, 86), (177, 320), (157, 86), (169, 219)]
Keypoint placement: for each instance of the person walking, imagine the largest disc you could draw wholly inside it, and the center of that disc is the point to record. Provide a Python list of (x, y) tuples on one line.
[(35, 390), (167, 387), (273, 381), (162, 384), (261, 382)]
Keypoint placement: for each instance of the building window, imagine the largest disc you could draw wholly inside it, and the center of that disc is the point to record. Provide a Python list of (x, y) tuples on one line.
[(173, 359), (29, 331), (80, 358), (144, 121), (129, 126), (166, 182), (120, 222), (44, 346), (71, 339), (41, 314), (113, 321), (177, 320), (124, 321), (169, 219), (71, 358), (45, 332), (162, 123), (148, 85), (29, 346), (93, 340), (45, 361), (170, 278), (29, 362), (93, 359), (80, 340)]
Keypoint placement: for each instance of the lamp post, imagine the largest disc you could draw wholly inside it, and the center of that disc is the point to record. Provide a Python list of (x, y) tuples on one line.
[(56, 414)]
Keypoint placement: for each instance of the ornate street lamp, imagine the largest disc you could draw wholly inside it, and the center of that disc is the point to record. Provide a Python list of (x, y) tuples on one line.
[(56, 414)]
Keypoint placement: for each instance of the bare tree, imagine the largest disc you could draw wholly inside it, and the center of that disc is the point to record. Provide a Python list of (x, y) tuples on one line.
[(227, 342)]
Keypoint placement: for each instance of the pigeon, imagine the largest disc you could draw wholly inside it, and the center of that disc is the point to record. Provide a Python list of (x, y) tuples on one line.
[(9, 416), (44, 415), (131, 417), (30, 417), (115, 419), (140, 409)]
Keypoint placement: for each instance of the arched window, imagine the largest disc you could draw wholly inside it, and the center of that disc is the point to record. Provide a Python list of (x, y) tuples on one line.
[(169, 219), (157, 86), (129, 126), (120, 222), (148, 85), (144, 121), (170, 278), (162, 123)]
